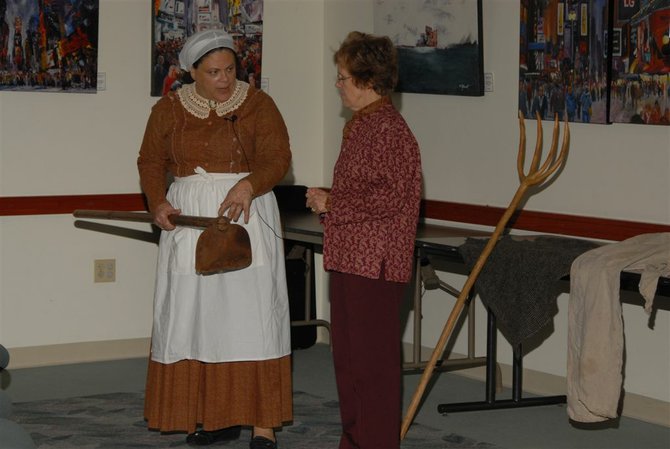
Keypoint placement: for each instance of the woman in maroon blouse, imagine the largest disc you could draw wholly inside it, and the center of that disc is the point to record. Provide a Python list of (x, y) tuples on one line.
[(369, 218)]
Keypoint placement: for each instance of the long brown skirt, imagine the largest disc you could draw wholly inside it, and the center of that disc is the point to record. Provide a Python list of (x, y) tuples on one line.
[(188, 394)]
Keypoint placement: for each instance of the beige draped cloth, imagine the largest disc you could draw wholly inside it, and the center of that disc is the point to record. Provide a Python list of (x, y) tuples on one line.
[(595, 325)]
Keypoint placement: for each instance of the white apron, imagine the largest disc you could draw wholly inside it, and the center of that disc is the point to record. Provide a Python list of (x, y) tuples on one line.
[(236, 316)]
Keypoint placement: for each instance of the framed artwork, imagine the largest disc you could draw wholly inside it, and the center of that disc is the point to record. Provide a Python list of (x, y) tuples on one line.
[(595, 61), (175, 20), (439, 44), (563, 60), (640, 87), (49, 45)]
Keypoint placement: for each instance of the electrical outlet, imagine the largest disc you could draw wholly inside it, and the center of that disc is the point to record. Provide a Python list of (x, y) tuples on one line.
[(488, 82), (104, 270)]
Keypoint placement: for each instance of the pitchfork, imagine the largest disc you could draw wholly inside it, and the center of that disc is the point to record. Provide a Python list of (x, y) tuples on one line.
[(536, 176)]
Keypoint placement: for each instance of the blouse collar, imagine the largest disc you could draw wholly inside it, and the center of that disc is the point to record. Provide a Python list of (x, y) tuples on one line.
[(372, 107), (200, 107), (367, 110)]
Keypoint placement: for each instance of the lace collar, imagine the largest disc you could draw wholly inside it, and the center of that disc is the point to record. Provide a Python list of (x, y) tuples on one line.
[(200, 107)]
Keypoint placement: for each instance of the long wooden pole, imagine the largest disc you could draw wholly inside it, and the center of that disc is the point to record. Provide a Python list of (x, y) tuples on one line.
[(536, 176), (145, 217)]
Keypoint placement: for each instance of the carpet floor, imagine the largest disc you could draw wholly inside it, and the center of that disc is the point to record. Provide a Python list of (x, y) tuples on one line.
[(116, 421)]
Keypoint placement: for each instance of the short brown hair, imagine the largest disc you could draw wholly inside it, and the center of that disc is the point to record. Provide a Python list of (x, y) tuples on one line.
[(370, 60)]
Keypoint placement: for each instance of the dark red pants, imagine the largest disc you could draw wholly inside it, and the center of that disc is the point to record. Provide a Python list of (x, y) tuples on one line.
[(365, 332)]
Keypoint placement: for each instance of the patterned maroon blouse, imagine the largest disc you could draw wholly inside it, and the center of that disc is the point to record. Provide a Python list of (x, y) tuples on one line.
[(374, 200)]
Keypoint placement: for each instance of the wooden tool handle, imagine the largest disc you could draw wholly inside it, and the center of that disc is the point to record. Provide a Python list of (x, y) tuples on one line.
[(537, 175), (145, 217)]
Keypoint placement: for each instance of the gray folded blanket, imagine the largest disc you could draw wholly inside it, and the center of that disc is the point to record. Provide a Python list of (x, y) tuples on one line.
[(519, 279)]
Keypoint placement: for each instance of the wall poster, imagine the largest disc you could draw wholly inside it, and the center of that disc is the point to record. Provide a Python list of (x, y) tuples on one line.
[(595, 61), (49, 45), (563, 60), (641, 62), (175, 20), (439, 44)]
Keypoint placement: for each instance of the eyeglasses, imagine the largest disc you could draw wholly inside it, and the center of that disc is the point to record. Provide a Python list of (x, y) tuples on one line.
[(341, 79)]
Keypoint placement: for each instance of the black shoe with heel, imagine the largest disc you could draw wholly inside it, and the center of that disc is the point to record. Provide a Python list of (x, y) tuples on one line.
[(207, 437), (262, 443)]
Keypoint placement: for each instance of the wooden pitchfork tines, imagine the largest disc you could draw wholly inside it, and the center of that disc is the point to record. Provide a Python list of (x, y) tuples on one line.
[(536, 176)]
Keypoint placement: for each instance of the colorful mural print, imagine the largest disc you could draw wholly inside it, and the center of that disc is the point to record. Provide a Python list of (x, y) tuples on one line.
[(640, 87), (439, 44), (562, 60), (175, 20), (49, 45), (595, 61)]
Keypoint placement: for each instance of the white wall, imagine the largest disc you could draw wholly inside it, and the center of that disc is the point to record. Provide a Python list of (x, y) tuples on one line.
[(63, 144), (292, 49), (69, 144)]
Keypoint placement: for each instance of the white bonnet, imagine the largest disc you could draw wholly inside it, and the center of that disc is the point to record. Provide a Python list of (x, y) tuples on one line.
[(202, 42)]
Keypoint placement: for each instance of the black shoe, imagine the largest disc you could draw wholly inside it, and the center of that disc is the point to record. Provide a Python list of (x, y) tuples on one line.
[(206, 437), (262, 443)]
